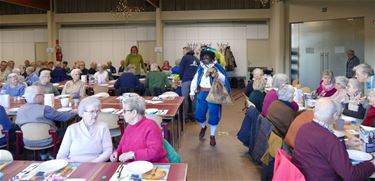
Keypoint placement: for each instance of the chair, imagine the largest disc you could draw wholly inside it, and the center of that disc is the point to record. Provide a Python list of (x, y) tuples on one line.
[(4, 134), (172, 155), (98, 89), (5, 155), (35, 132), (112, 121), (284, 169)]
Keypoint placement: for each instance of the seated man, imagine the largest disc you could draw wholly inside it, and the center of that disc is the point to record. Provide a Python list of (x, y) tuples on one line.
[(35, 112), (58, 73), (44, 82), (156, 81), (319, 154), (128, 80)]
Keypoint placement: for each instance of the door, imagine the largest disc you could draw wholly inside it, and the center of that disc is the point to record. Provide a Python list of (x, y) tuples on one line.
[(41, 51), (146, 49)]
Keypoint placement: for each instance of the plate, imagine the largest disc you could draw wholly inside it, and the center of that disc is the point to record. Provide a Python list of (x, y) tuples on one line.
[(108, 110), (101, 95), (348, 118), (104, 85), (15, 109), (151, 111), (139, 167), (338, 134), (52, 165), (359, 155), (55, 84), (64, 109)]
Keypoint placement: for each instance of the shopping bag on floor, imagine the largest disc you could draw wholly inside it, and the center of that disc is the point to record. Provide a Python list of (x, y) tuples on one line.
[(218, 93)]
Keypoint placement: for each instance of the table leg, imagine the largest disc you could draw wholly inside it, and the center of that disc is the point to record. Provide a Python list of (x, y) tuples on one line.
[(172, 121), (179, 126)]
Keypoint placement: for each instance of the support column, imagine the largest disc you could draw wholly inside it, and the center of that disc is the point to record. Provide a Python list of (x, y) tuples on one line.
[(278, 36), (50, 31), (159, 36)]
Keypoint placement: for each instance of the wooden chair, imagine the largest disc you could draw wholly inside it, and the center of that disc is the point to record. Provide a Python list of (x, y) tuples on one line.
[(113, 123), (35, 132), (98, 89), (5, 155)]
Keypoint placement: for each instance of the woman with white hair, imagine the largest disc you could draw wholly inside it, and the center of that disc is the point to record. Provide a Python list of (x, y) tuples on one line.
[(13, 87), (101, 76), (156, 81), (278, 81), (280, 112), (142, 139), (257, 95), (365, 74), (88, 140), (319, 154), (75, 87), (370, 116), (45, 82), (353, 106), (326, 87), (340, 85), (257, 74)]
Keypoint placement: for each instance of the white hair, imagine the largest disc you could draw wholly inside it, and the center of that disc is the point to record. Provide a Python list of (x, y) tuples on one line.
[(76, 70), (86, 102), (31, 92), (364, 69), (12, 75), (342, 81), (279, 80), (135, 102), (154, 67), (356, 84), (16, 70), (325, 108), (285, 92), (258, 71)]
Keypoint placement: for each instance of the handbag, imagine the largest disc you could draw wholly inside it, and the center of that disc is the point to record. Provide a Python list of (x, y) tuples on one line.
[(218, 93)]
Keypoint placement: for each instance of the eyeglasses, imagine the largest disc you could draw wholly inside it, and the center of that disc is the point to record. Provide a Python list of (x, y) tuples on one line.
[(126, 110)]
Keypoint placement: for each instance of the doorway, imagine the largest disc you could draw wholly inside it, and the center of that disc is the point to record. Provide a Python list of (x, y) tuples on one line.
[(146, 49)]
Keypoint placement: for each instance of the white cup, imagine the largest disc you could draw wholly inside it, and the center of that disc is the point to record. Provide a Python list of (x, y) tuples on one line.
[(84, 78), (64, 102)]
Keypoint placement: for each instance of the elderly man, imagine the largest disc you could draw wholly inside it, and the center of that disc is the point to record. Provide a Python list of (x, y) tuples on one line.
[(58, 73), (35, 112), (4, 72), (31, 76), (44, 82), (351, 63), (111, 68), (319, 154), (81, 66), (128, 81)]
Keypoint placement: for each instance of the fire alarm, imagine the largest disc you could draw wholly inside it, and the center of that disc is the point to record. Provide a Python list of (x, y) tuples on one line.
[(324, 10)]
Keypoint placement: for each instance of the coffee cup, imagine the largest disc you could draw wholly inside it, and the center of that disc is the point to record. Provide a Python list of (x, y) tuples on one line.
[(64, 102)]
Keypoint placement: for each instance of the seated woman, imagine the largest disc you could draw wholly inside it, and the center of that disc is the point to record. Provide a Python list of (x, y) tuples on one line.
[(75, 86), (326, 87), (278, 81), (44, 82), (352, 105), (128, 80), (257, 95), (340, 84), (13, 87), (156, 81), (257, 74), (101, 76), (142, 139), (280, 113), (370, 117), (166, 66), (87, 140), (319, 154)]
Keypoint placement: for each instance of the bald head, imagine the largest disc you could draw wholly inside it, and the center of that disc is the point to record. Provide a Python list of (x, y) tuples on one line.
[(326, 109)]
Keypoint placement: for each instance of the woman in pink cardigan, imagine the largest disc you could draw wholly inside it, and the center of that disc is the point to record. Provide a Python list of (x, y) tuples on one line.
[(142, 139)]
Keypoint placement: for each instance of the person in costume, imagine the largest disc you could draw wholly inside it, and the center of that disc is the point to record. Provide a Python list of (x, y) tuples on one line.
[(201, 85)]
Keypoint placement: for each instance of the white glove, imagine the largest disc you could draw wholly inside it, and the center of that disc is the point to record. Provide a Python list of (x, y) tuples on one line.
[(113, 157), (126, 156)]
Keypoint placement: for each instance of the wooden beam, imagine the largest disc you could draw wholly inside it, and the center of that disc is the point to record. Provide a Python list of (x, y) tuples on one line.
[(37, 4), (155, 3)]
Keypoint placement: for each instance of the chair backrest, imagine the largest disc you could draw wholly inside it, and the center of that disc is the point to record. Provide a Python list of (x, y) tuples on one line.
[(156, 118), (284, 169), (5, 155), (109, 119), (98, 89), (36, 131), (1, 131), (172, 155)]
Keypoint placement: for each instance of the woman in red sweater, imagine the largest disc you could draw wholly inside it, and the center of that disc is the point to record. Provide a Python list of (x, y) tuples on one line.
[(142, 139)]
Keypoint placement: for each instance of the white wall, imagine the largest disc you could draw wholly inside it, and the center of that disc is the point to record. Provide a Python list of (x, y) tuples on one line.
[(19, 44), (101, 44), (176, 36)]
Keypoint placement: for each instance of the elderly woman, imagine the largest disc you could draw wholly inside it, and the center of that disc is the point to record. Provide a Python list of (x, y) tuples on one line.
[(353, 106), (101, 76), (31, 76), (87, 140), (44, 82), (340, 85), (13, 87), (278, 81), (156, 81), (35, 112), (75, 86), (364, 73), (326, 87), (128, 80), (142, 139), (318, 153), (281, 113), (257, 95), (257, 73), (370, 117)]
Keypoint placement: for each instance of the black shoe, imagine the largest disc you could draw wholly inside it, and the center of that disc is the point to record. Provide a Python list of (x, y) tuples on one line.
[(212, 141), (203, 132)]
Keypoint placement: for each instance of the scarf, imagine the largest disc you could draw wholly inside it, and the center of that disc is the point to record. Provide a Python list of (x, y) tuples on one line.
[(369, 117)]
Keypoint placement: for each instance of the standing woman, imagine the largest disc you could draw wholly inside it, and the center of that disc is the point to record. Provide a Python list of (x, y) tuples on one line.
[(135, 59)]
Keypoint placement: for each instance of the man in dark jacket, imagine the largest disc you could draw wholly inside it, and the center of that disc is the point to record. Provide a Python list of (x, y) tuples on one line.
[(58, 73), (351, 62), (188, 67)]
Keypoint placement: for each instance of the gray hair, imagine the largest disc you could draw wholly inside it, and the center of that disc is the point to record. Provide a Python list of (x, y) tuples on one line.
[(363, 69), (31, 92), (258, 71), (279, 80), (342, 81), (76, 70), (87, 101), (12, 75), (356, 84), (285, 92), (327, 73), (154, 67), (135, 102), (16, 70), (324, 109)]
